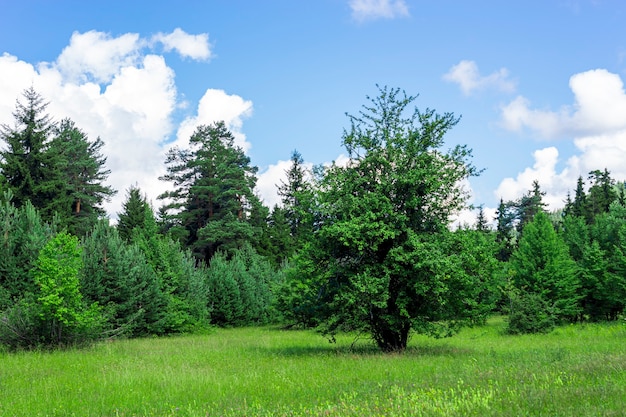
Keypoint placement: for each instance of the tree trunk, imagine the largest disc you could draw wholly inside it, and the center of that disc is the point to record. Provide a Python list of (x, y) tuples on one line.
[(391, 339)]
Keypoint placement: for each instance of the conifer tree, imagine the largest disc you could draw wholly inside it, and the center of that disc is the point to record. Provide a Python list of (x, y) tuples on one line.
[(297, 200), (601, 193), (542, 266), (23, 159), (78, 175), (213, 196), (134, 214), (504, 231)]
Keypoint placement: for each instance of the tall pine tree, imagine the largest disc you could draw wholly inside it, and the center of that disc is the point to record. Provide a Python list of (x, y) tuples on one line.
[(213, 196)]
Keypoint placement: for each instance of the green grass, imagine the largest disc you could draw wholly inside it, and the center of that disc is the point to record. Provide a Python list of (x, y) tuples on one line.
[(578, 370)]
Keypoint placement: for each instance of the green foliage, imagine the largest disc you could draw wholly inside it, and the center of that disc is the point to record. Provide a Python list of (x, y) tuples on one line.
[(378, 262), (22, 235), (55, 315), (76, 178), (529, 313), (181, 284), (241, 289), (54, 166), (542, 266), (118, 277), (62, 312), (210, 206)]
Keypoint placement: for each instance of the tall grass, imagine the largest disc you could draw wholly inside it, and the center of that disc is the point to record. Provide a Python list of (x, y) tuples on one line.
[(579, 370)]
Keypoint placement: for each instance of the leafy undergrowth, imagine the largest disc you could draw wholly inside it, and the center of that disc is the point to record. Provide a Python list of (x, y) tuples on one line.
[(578, 370)]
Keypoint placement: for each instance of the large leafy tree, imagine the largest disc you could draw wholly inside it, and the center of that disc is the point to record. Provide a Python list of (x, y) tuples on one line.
[(213, 193), (381, 261)]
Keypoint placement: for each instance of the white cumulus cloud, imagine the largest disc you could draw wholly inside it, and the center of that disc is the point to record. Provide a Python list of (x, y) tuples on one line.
[(595, 123), (216, 105), (599, 107), (469, 79), (97, 55), (375, 9), (190, 46)]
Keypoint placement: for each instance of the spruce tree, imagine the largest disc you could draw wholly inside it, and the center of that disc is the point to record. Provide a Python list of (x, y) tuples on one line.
[(134, 214), (297, 200), (24, 158)]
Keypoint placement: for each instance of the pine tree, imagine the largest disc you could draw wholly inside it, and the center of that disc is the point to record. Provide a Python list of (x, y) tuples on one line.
[(214, 195), (78, 175)]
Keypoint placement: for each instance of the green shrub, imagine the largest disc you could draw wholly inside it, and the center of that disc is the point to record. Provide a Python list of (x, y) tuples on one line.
[(530, 313)]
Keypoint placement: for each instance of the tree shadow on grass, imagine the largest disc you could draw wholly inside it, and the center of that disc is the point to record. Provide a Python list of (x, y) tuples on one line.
[(363, 350)]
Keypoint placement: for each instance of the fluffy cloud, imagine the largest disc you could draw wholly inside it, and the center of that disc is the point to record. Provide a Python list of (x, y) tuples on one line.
[(117, 89), (375, 9), (215, 106), (269, 179), (467, 76), (599, 108), (97, 55), (189, 46), (598, 128)]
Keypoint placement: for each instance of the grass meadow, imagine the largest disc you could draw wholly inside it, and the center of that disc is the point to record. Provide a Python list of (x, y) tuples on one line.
[(578, 370)]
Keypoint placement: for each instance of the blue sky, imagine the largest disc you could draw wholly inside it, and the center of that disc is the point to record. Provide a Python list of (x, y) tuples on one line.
[(538, 84)]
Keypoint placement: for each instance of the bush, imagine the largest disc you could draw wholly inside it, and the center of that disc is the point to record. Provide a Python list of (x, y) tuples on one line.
[(530, 313)]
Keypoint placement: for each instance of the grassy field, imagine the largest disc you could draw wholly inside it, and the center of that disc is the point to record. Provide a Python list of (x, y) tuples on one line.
[(579, 370)]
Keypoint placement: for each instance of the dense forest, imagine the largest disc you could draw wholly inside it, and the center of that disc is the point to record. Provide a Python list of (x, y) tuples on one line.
[(363, 247)]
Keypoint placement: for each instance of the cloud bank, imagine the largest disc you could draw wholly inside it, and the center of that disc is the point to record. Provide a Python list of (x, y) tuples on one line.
[(117, 88), (596, 125)]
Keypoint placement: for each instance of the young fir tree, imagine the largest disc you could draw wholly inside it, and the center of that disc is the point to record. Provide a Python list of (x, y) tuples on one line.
[(180, 283), (211, 203), (541, 266), (133, 216), (481, 220), (528, 206), (22, 236), (119, 278), (505, 218)]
